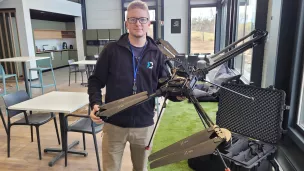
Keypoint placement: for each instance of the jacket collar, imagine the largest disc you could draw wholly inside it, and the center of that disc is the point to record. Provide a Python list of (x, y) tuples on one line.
[(123, 41)]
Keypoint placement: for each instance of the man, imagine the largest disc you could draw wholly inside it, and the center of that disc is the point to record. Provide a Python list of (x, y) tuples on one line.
[(131, 65)]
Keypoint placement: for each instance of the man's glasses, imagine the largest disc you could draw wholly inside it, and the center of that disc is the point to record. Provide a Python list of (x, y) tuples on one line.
[(142, 20)]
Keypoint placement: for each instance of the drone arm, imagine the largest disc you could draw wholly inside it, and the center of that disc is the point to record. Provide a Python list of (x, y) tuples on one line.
[(218, 59)]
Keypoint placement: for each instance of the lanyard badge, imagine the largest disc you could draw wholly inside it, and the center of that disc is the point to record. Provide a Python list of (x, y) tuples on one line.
[(135, 68)]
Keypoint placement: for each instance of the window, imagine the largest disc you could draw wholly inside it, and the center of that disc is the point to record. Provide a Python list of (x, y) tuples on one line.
[(245, 24), (202, 29)]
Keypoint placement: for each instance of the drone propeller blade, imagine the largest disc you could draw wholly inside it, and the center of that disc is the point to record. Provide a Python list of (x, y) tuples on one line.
[(164, 51), (122, 106), (205, 148), (123, 100), (168, 46), (183, 144)]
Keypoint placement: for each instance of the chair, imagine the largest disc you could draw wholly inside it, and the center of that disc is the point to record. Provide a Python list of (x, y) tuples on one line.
[(192, 60), (4, 76), (74, 69), (30, 120), (85, 126), (42, 65), (90, 68)]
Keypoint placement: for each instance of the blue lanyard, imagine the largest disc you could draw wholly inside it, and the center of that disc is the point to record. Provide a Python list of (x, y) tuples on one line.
[(135, 69)]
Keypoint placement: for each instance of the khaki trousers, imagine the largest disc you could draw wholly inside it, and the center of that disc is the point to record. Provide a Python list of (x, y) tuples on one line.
[(113, 144)]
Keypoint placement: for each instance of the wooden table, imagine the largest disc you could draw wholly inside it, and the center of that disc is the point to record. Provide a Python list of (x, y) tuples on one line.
[(23, 60), (57, 102)]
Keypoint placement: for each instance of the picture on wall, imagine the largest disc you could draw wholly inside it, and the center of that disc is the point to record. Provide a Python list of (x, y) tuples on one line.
[(175, 25)]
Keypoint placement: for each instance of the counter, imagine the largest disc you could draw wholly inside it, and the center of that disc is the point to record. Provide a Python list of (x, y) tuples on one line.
[(47, 51), (60, 57)]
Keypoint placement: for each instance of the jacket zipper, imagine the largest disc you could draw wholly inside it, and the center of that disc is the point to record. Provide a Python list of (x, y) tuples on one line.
[(144, 54)]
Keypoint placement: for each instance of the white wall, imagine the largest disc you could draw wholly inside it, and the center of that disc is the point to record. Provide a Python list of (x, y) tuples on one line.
[(56, 6), (104, 14), (176, 9), (49, 25), (271, 46)]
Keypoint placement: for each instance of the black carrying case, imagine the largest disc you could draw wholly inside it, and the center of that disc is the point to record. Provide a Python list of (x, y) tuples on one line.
[(256, 127)]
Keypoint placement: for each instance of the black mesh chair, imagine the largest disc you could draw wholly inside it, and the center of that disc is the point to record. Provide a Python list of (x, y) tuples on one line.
[(85, 126), (3, 121), (192, 60), (30, 120), (74, 69)]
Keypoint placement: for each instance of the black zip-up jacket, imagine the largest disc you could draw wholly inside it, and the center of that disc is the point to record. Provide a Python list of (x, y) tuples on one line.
[(114, 70)]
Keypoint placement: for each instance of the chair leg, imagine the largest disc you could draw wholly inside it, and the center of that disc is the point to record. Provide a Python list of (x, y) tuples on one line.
[(96, 150), (8, 140), (30, 88), (54, 79), (82, 77), (38, 142), (3, 121), (41, 81), (75, 77), (4, 85), (17, 86), (69, 78), (56, 127), (32, 133), (31, 112), (84, 143)]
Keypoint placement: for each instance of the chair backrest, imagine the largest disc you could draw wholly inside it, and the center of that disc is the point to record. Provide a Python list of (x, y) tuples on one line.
[(14, 98), (72, 66), (47, 62), (2, 72), (71, 61), (192, 60)]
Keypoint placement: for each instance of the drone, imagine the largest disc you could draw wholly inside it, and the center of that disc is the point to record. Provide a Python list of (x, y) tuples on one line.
[(181, 83)]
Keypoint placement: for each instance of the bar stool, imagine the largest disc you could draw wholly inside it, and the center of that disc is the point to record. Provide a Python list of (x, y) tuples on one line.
[(42, 65), (4, 76)]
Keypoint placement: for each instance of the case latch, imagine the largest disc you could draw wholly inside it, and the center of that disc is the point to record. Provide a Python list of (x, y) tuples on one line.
[(286, 107)]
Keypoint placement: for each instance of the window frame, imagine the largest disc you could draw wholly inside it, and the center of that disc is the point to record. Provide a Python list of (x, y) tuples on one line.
[(258, 51), (295, 131), (290, 43)]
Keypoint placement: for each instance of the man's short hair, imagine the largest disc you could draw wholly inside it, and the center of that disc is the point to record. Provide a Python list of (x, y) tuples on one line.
[(138, 4)]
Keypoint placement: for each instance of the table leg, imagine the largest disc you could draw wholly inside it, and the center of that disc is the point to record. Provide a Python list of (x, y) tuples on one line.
[(63, 144), (25, 77)]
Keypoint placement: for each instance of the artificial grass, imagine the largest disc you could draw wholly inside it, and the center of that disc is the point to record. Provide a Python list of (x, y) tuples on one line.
[(179, 121)]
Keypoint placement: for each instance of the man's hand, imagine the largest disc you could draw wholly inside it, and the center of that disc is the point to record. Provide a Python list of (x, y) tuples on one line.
[(95, 118)]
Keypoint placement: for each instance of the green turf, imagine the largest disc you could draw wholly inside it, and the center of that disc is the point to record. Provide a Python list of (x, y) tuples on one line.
[(179, 121)]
